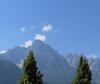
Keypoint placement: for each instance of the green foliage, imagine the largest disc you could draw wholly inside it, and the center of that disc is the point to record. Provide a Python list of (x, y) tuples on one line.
[(31, 74), (83, 73)]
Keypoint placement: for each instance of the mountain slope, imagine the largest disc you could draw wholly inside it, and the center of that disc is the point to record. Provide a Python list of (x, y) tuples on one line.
[(9, 72), (73, 60), (54, 67), (15, 55)]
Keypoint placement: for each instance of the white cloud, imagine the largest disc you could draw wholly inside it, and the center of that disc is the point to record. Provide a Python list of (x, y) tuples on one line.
[(2, 52), (27, 44), (40, 37), (23, 29), (47, 28)]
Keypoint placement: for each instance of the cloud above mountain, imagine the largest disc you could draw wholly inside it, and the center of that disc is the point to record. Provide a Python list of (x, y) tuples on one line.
[(27, 44), (40, 37), (47, 28)]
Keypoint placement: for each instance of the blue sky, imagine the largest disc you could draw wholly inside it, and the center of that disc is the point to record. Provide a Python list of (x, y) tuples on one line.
[(74, 25)]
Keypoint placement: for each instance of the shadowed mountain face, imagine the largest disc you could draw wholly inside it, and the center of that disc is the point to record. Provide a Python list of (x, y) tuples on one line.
[(55, 68), (9, 72)]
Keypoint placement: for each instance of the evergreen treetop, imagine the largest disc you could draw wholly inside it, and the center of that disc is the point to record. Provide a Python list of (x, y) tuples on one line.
[(31, 74), (83, 74)]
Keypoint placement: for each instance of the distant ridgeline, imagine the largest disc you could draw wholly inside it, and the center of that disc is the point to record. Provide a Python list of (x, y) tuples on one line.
[(56, 68)]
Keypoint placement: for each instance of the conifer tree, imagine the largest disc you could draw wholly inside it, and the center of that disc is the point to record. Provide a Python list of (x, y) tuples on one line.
[(83, 73), (31, 74)]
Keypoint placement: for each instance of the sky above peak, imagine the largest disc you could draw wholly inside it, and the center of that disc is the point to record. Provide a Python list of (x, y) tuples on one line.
[(70, 26)]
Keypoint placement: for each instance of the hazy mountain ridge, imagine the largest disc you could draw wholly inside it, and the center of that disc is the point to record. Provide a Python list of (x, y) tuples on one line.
[(73, 60), (55, 68)]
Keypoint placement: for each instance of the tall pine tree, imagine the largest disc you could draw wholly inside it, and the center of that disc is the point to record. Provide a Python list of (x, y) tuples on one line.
[(83, 73), (31, 74)]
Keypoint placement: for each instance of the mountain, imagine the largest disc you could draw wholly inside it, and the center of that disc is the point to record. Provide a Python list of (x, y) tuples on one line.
[(73, 60), (54, 67), (15, 55), (9, 72)]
